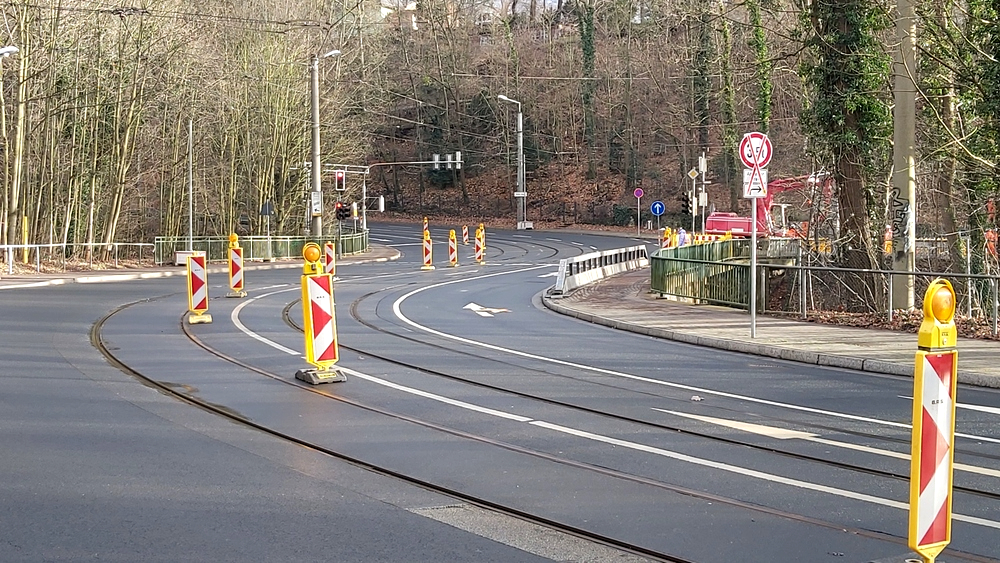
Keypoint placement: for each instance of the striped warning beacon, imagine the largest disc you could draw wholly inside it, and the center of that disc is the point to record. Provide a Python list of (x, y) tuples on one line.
[(935, 380), (197, 285), (235, 267), (319, 321)]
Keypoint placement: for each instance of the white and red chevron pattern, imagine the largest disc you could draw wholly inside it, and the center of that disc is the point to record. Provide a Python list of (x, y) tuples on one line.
[(933, 451), (321, 326), (236, 269), (329, 258), (197, 284)]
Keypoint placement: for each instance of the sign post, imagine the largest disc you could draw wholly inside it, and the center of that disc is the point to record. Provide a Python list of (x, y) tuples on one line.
[(935, 380), (638, 210), (657, 209), (755, 153), (693, 174)]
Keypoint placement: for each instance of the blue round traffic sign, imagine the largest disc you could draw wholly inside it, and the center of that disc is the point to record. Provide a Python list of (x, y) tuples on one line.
[(657, 208)]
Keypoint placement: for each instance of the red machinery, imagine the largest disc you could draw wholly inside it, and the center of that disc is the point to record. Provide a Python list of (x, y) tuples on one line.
[(720, 223)]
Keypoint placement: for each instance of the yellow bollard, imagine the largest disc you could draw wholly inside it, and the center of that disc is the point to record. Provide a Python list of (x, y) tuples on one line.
[(932, 455), (235, 267), (319, 321)]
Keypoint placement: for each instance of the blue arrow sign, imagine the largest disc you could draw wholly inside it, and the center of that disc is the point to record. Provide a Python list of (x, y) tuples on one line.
[(657, 208)]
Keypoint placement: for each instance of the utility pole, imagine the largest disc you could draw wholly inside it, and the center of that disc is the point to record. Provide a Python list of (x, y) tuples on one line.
[(903, 212), (316, 228)]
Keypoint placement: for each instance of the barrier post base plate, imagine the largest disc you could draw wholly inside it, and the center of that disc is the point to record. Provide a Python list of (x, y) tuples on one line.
[(317, 376), (236, 294), (203, 318), (427, 267)]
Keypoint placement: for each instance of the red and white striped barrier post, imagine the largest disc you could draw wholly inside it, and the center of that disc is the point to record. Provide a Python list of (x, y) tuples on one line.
[(425, 224), (452, 249), (330, 259), (935, 380), (319, 321), (235, 268), (197, 283), (480, 254), (465, 234), (428, 252)]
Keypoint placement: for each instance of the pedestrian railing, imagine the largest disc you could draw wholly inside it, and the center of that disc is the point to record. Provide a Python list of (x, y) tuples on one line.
[(255, 248), (788, 284), (587, 268), (60, 253)]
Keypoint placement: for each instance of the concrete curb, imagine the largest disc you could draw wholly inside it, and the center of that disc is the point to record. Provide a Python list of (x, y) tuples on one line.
[(766, 350)]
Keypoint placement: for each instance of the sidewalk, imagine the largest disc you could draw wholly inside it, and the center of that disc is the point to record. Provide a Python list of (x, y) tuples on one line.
[(377, 253), (624, 302)]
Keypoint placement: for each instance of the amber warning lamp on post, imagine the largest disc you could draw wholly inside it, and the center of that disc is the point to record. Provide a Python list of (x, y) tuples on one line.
[(938, 327)]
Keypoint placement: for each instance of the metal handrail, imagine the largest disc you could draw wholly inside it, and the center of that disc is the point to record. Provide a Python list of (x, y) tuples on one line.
[(8, 251)]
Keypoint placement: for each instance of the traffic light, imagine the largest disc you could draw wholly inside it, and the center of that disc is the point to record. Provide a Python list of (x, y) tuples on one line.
[(343, 211), (340, 180), (686, 204)]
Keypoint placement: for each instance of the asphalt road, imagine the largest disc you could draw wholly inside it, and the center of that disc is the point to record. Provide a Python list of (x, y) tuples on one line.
[(457, 378)]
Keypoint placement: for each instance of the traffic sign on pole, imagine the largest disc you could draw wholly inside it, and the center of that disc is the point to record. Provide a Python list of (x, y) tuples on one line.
[(935, 381), (657, 208)]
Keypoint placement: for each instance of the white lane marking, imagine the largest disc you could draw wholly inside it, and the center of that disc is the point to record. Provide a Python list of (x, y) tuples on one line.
[(406, 244), (485, 311), (592, 247), (634, 445), (399, 314), (554, 239), (435, 397), (550, 275), (235, 316), (381, 240), (577, 243), (751, 472), (968, 406), (786, 434), (519, 236)]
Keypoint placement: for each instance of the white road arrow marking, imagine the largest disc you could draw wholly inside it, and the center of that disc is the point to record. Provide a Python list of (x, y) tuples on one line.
[(484, 311), (786, 434)]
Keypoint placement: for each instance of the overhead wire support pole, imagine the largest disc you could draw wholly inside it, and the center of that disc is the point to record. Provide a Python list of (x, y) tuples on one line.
[(316, 226)]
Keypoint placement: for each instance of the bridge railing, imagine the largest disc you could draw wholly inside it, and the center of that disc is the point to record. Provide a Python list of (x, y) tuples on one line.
[(579, 271), (718, 273)]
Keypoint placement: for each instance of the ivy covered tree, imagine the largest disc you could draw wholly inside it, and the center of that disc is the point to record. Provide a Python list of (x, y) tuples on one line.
[(849, 120)]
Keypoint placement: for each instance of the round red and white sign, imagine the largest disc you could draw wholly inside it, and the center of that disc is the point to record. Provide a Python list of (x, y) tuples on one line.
[(755, 150)]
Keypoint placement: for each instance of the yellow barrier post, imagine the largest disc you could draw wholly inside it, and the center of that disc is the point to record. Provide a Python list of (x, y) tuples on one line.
[(428, 252), (197, 286), (319, 321), (935, 380), (235, 267)]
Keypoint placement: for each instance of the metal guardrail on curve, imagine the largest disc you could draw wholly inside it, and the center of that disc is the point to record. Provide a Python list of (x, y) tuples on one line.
[(587, 268)]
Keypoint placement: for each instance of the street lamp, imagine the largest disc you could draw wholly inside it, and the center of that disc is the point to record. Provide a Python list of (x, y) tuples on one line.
[(521, 195), (316, 229)]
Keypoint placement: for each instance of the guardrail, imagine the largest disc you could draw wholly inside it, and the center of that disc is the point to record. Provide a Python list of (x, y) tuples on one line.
[(59, 252), (256, 248), (587, 268)]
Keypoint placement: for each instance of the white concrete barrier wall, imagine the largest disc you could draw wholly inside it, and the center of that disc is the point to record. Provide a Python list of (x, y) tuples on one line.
[(588, 268)]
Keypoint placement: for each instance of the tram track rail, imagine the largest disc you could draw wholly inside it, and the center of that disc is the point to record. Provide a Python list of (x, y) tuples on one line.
[(172, 390), (98, 342)]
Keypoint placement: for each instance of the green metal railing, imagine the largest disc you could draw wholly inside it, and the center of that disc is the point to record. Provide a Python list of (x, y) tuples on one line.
[(714, 272), (718, 273), (256, 248)]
